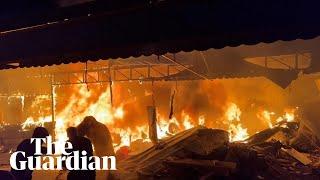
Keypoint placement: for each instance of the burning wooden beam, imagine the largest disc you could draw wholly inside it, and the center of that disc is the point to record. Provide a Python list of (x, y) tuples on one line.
[(152, 119)]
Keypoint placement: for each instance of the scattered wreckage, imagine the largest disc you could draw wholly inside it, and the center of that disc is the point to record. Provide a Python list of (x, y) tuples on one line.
[(202, 153)]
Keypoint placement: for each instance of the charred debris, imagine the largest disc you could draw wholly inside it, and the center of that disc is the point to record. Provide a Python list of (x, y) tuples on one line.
[(281, 152)]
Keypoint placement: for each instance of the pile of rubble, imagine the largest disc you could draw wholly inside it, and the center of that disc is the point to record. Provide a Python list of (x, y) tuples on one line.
[(202, 153)]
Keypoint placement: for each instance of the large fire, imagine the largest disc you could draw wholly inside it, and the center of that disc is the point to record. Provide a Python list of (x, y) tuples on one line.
[(116, 116)]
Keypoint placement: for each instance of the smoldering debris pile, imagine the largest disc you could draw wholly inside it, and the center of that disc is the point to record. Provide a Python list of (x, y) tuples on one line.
[(202, 153)]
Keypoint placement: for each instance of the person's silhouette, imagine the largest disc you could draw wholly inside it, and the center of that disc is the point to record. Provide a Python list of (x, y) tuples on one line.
[(29, 149), (80, 144)]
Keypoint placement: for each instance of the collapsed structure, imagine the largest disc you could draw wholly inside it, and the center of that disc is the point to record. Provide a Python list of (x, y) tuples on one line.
[(130, 56), (161, 119), (202, 153)]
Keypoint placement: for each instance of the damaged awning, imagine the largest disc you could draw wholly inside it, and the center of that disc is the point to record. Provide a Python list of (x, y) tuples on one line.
[(100, 30)]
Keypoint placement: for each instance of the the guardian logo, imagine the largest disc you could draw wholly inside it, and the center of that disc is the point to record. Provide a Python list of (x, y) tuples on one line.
[(71, 160)]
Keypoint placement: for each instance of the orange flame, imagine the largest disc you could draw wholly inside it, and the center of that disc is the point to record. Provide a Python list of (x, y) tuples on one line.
[(80, 104), (237, 132)]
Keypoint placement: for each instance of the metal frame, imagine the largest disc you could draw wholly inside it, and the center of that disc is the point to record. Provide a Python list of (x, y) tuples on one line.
[(138, 71), (281, 61)]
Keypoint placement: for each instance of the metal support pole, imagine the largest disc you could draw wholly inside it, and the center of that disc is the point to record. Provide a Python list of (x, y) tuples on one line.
[(111, 94), (53, 124)]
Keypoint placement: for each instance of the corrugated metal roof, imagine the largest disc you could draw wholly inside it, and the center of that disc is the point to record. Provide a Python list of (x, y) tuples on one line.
[(165, 27)]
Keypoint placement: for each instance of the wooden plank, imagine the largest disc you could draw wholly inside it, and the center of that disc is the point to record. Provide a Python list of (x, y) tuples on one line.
[(150, 160), (301, 157)]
